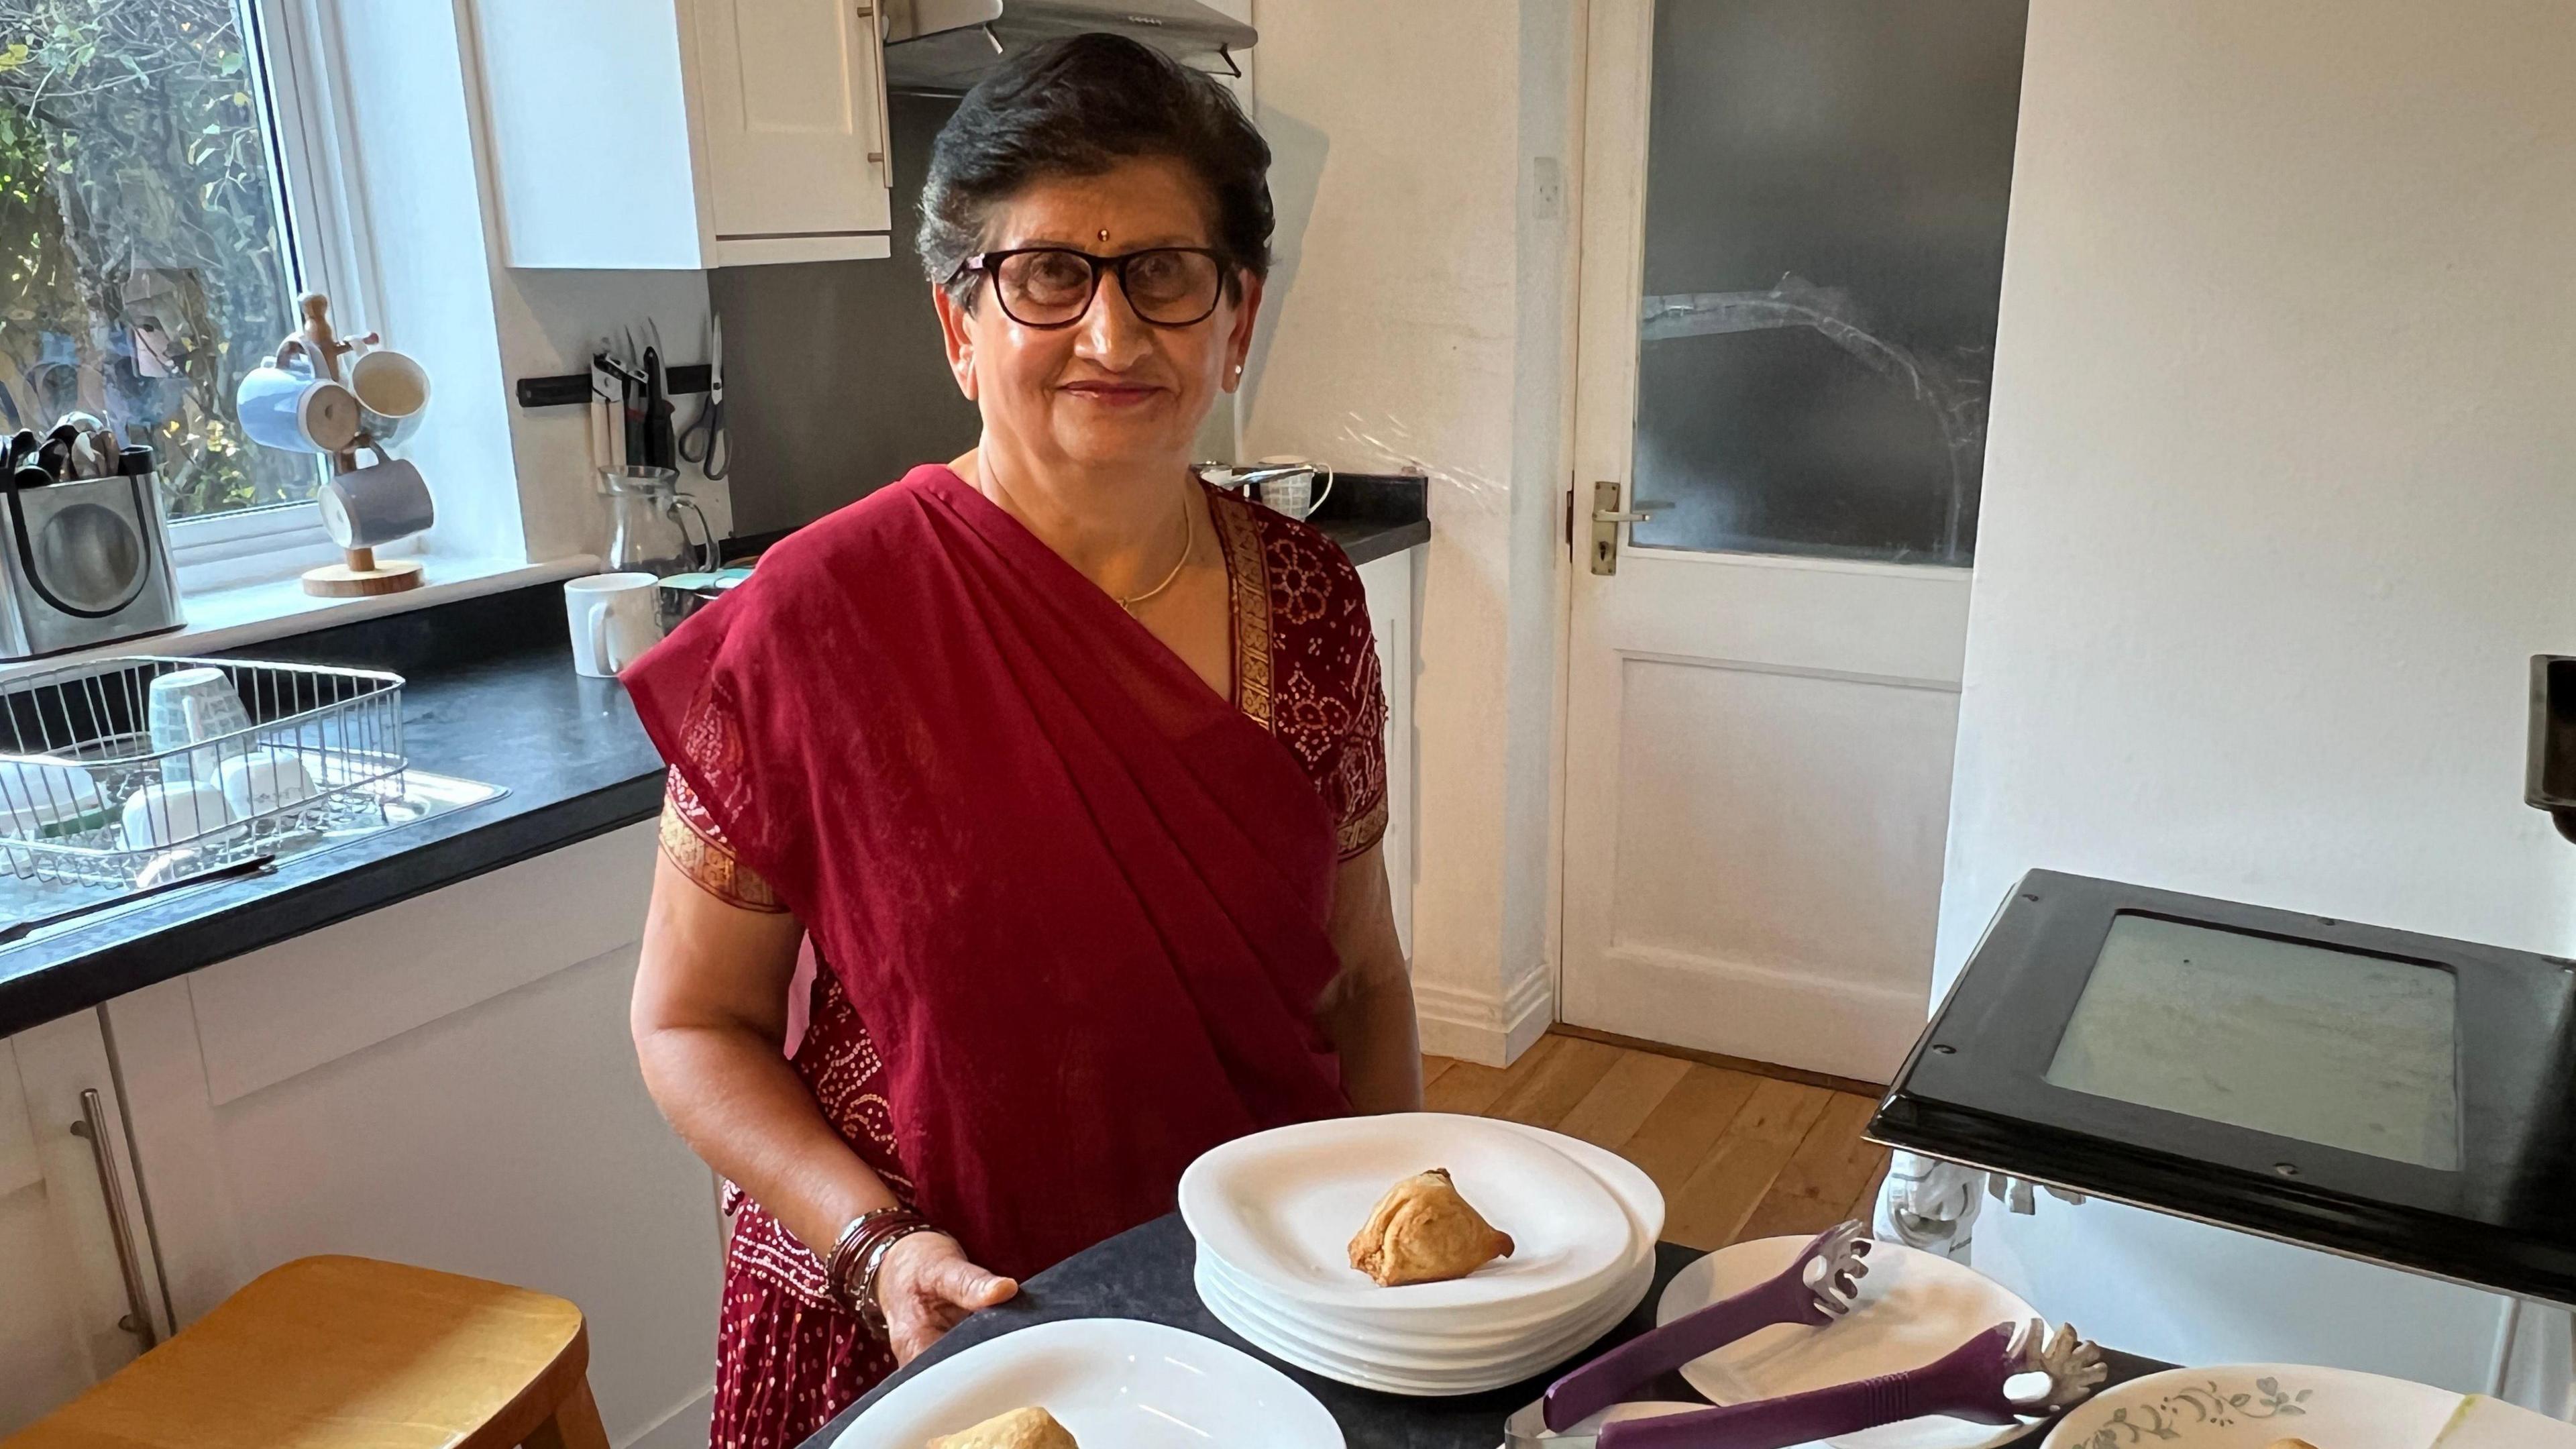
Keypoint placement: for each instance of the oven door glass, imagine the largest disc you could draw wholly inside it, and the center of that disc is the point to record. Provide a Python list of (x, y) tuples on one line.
[(2286, 1037)]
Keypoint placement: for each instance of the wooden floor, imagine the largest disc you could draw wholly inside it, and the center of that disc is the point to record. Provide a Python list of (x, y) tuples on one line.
[(1738, 1155)]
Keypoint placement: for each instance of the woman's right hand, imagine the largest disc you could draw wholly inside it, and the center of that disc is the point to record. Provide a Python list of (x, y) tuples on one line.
[(926, 1287)]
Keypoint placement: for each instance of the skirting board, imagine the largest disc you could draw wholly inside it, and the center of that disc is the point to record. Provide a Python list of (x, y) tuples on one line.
[(684, 1428), (1473, 1027)]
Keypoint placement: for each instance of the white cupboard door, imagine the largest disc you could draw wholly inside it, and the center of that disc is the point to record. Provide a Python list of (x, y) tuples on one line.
[(449, 1082), (1792, 242), (63, 1281), (792, 97)]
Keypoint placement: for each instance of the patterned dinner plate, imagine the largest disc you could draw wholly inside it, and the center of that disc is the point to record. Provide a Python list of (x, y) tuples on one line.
[(2252, 1406)]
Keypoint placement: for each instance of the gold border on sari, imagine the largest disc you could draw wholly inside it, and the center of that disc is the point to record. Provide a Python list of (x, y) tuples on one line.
[(1250, 573), (711, 866)]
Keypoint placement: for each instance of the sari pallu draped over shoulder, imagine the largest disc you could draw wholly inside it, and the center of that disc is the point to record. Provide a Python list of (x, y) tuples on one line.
[(1078, 898)]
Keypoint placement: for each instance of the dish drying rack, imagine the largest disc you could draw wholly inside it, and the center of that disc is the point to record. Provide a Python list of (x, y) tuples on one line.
[(76, 746)]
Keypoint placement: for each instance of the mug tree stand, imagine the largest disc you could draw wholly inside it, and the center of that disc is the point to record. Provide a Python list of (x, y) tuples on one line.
[(358, 574)]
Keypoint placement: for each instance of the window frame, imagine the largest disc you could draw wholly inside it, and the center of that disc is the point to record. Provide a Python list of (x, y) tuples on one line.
[(298, 77)]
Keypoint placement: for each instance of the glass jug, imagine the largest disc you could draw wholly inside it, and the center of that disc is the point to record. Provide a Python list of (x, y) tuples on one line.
[(645, 534)]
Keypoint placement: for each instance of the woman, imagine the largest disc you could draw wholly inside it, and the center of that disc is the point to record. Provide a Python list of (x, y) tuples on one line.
[(1069, 768)]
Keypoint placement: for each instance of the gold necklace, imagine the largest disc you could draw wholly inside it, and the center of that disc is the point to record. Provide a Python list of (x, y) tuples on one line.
[(1189, 545)]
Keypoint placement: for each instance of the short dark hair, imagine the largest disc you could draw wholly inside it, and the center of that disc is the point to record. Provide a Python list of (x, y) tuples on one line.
[(1079, 106)]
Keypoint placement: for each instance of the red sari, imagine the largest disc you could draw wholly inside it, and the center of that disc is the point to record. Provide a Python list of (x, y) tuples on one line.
[(1070, 904)]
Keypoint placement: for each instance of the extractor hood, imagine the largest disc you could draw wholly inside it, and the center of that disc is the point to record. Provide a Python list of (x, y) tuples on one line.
[(945, 46)]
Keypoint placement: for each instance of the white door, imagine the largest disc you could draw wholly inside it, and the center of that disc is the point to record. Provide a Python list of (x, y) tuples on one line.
[(67, 1303), (1793, 233)]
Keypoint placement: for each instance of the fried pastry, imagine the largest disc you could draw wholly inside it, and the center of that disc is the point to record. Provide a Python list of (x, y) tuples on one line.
[(1422, 1231), (1018, 1429)]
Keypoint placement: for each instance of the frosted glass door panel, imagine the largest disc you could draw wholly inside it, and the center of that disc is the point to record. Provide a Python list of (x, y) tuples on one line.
[(1826, 183)]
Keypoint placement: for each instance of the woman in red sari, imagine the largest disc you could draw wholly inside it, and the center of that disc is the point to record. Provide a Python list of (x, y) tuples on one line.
[(1069, 769)]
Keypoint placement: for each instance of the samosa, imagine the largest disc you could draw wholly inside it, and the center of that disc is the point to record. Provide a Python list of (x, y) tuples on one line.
[(1422, 1231)]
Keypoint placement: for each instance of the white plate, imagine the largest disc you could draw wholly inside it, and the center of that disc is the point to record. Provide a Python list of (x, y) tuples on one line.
[(1626, 1180), (1111, 1381), (1445, 1343), (1280, 1208), (1913, 1308), (1432, 1358), (1384, 1376), (2247, 1406)]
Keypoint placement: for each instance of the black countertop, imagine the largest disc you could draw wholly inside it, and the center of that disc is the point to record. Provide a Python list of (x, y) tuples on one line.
[(1145, 1273), (569, 751), (489, 695)]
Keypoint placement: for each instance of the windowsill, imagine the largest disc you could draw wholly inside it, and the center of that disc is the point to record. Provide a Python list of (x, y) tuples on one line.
[(245, 614)]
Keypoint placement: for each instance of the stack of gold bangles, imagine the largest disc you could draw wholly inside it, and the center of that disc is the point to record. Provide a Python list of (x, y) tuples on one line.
[(860, 1253)]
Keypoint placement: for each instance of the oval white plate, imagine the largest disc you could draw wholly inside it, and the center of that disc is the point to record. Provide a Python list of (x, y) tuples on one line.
[(1280, 1208), (2247, 1406), (1913, 1308), (1111, 1381)]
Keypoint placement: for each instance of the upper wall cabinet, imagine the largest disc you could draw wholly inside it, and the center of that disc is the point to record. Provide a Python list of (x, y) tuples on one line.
[(685, 134)]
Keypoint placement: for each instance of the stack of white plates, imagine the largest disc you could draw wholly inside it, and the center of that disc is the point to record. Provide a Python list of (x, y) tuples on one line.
[(1274, 1214)]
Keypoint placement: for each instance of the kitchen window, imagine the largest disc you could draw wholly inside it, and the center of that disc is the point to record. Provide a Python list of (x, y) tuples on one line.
[(166, 190)]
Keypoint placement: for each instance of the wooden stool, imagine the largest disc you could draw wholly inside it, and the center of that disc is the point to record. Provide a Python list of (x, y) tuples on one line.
[(350, 1353)]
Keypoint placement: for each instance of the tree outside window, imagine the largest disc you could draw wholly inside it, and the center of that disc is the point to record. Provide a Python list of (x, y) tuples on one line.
[(140, 237)]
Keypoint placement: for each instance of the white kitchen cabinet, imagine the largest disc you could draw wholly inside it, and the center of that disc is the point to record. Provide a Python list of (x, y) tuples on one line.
[(447, 1081), (65, 1313), (685, 133), (1390, 583)]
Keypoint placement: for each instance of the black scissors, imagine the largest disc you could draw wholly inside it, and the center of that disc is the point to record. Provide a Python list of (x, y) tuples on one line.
[(704, 443)]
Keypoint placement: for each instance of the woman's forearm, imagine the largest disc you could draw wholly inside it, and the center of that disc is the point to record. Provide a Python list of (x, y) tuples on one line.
[(741, 1107)]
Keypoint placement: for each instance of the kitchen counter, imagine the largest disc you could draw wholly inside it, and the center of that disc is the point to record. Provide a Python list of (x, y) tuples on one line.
[(1145, 1273), (569, 751), (489, 696)]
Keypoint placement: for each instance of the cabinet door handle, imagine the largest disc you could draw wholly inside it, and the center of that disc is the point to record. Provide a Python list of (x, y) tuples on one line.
[(883, 157), (129, 1261)]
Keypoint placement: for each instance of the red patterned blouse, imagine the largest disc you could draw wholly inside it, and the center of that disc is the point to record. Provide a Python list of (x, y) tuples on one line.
[(1306, 668)]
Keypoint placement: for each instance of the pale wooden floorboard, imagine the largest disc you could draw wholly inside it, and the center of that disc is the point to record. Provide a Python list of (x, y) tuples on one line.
[(1738, 1154)]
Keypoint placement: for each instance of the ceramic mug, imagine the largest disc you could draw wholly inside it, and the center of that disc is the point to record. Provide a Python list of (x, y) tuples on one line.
[(166, 814), (613, 621), (1293, 491), (264, 781), (393, 393), (297, 412), (376, 505), (188, 705)]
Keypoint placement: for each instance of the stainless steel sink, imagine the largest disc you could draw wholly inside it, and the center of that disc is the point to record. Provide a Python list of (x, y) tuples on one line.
[(29, 907)]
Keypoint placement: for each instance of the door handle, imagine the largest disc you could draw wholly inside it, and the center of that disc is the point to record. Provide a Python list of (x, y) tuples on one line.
[(873, 16), (1607, 515), (129, 1261)]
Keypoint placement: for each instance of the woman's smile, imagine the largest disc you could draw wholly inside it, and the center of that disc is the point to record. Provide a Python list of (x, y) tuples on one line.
[(1115, 393)]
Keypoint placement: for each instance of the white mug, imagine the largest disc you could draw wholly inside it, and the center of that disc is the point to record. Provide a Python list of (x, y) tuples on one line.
[(188, 705), (1293, 492), (166, 814), (393, 394), (612, 618)]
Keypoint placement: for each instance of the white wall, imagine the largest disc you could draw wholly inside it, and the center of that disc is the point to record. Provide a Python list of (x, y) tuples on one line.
[(2278, 498), (507, 480), (1418, 318)]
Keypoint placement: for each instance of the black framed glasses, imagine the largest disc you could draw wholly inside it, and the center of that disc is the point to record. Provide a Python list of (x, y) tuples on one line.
[(1051, 287)]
